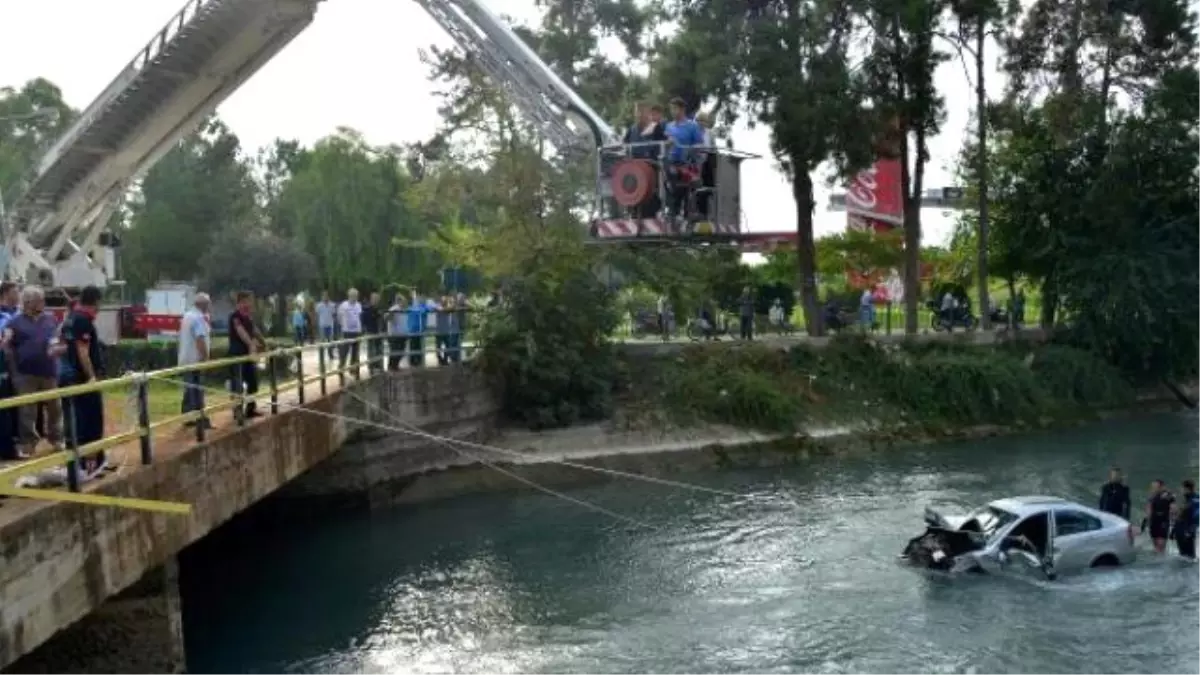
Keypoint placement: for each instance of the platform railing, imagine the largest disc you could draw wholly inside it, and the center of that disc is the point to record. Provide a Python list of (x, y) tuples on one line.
[(383, 352)]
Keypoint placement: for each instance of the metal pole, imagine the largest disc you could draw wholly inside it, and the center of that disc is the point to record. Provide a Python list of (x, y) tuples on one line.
[(274, 380), (143, 411), (300, 376), (321, 367), (72, 444)]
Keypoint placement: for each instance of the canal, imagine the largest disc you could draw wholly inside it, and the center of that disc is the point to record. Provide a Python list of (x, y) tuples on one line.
[(795, 575)]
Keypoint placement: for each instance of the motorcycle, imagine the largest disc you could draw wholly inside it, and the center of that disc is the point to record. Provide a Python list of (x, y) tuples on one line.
[(959, 317)]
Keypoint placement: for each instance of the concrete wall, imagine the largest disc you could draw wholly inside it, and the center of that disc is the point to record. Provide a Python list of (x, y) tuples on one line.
[(453, 403), (61, 562)]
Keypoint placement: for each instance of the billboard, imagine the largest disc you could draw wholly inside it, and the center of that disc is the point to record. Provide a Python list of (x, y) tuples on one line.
[(875, 203)]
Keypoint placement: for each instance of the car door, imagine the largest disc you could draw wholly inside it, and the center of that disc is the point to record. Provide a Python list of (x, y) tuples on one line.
[(1076, 541), (1035, 528)]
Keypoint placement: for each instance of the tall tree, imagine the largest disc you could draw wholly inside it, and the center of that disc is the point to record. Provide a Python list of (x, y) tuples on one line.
[(786, 65), (900, 66), (30, 119), (344, 203), (201, 187)]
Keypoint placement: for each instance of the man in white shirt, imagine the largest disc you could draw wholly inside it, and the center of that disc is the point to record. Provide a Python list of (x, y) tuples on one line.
[(194, 339), (949, 304), (349, 315), (326, 312)]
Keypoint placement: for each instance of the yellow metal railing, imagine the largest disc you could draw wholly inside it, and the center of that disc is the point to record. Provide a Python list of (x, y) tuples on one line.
[(143, 431)]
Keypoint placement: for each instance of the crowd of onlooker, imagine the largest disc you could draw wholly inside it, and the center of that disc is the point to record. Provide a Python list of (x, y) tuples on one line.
[(407, 322), (39, 353)]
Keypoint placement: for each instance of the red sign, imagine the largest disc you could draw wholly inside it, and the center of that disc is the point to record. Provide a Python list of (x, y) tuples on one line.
[(157, 322), (874, 195)]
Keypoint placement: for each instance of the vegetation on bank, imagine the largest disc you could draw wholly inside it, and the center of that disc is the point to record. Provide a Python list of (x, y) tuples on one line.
[(854, 380)]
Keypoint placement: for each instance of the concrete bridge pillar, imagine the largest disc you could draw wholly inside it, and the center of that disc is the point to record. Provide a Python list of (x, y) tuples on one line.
[(139, 630)]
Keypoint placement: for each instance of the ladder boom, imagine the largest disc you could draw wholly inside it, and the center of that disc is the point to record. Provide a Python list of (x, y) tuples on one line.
[(526, 79)]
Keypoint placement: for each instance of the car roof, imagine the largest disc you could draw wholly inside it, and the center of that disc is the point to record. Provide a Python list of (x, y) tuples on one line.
[(1026, 505)]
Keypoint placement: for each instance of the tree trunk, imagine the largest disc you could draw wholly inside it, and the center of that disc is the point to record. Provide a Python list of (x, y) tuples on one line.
[(1049, 302), (911, 189), (982, 236), (806, 251)]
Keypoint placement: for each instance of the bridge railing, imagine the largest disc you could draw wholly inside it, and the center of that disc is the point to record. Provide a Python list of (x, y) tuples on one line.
[(337, 360)]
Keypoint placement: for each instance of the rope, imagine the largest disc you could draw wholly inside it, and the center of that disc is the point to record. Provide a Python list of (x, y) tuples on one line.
[(579, 502)]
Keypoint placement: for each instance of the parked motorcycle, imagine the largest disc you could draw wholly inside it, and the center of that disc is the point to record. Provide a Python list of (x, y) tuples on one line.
[(959, 317)]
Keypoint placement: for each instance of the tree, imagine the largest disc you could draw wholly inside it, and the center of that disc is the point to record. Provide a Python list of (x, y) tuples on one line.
[(200, 188), (30, 119), (787, 65), (860, 252), (279, 266), (976, 20), (344, 203), (900, 68)]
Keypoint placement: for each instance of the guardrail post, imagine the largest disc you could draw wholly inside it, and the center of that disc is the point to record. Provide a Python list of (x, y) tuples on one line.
[(300, 376), (274, 381), (143, 412), (356, 357), (343, 356), (321, 367), (72, 444), (239, 392)]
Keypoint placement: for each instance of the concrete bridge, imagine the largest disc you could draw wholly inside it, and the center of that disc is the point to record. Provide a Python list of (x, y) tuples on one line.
[(93, 588)]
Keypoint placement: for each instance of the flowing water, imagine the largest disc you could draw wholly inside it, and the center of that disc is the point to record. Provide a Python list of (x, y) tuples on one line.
[(796, 575)]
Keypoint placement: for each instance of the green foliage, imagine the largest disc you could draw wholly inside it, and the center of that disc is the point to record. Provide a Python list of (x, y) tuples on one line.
[(260, 262), (30, 119), (199, 189), (930, 385), (742, 387), (546, 349)]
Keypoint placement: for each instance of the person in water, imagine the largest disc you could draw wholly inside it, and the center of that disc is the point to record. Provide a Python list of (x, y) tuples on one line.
[(1114, 495), (1159, 509), (1186, 519)]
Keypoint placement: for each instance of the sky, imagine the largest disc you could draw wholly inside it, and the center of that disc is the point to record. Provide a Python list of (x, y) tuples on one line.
[(358, 66)]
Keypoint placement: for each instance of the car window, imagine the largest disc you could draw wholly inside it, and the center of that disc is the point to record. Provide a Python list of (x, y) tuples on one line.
[(991, 520), (1068, 522)]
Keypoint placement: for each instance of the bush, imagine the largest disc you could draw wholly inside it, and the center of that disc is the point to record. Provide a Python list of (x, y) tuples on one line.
[(547, 352), (855, 380), (749, 386)]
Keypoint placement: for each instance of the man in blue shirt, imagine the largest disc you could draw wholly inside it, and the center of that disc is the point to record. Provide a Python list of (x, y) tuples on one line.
[(683, 134)]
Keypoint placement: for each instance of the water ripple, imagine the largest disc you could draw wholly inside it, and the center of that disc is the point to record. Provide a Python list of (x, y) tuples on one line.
[(796, 575)]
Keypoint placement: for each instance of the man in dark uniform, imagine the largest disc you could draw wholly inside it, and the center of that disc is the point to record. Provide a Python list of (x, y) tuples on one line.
[(245, 340), (1158, 514), (1114, 495), (1186, 520), (83, 362)]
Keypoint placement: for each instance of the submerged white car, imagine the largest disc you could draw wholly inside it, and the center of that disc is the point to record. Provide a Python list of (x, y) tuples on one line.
[(1054, 535)]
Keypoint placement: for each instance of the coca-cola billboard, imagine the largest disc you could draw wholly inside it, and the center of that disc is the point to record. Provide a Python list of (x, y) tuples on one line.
[(874, 195)]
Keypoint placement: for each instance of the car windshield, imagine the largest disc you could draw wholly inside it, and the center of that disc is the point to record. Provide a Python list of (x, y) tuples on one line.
[(991, 520)]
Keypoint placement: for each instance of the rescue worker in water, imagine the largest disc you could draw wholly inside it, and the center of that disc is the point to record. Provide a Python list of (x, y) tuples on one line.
[(1159, 509), (1114, 495), (1187, 517)]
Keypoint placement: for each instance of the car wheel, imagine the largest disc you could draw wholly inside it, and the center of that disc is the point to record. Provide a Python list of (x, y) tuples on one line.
[(1106, 560)]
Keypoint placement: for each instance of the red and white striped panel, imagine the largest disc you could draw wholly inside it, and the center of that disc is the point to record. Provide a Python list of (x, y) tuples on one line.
[(607, 229)]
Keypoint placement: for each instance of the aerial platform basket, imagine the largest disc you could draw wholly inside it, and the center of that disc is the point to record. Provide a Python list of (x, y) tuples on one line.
[(642, 199)]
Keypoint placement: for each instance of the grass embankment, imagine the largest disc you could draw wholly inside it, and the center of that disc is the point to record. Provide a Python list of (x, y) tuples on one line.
[(929, 388)]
